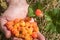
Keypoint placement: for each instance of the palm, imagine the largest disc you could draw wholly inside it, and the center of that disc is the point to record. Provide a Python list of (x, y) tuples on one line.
[(14, 11)]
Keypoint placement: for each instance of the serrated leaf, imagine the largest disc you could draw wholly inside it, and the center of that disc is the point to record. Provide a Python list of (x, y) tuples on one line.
[(54, 16), (39, 6), (47, 28), (56, 11), (58, 28), (31, 12), (50, 28), (48, 18)]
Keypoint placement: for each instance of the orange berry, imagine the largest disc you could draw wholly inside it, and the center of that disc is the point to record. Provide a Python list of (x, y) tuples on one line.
[(22, 23), (27, 19), (38, 12), (23, 28), (22, 36), (34, 35), (10, 27), (17, 34), (16, 20), (24, 31), (16, 25), (28, 37), (14, 30), (27, 24), (35, 26), (19, 28), (36, 29), (10, 23), (30, 30)]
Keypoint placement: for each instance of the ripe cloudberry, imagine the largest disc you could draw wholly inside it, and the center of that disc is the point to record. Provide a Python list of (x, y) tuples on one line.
[(39, 13)]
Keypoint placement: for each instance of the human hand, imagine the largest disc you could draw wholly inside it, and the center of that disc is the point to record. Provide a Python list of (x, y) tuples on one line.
[(16, 9), (40, 36)]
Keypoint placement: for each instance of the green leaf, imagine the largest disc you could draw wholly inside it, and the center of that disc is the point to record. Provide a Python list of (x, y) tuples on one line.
[(48, 18), (53, 20), (30, 12), (58, 27), (39, 6), (50, 27), (47, 28)]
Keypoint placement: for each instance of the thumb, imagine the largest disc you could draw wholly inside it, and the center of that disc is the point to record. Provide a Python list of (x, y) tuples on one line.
[(4, 29), (8, 34), (40, 36)]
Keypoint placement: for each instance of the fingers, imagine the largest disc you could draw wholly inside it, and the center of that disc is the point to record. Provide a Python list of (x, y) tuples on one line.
[(15, 38), (8, 34), (4, 29), (40, 36)]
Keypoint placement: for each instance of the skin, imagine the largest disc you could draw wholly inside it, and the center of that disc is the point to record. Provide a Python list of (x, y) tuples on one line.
[(16, 9)]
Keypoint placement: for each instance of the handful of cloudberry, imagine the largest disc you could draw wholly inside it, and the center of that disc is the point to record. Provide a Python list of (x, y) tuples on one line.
[(23, 28)]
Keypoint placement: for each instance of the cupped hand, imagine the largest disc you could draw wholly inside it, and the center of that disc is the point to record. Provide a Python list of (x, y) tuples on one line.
[(16, 9), (8, 33)]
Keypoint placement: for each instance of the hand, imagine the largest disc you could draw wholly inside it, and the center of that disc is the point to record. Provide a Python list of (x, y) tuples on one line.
[(8, 33), (16, 9)]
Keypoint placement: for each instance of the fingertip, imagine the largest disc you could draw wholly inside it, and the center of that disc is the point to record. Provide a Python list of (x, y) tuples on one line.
[(8, 34), (40, 36)]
